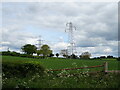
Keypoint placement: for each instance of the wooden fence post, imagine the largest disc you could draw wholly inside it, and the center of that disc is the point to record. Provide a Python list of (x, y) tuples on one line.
[(105, 67)]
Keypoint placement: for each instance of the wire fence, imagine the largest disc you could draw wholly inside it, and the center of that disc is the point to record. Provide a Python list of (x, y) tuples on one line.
[(105, 68)]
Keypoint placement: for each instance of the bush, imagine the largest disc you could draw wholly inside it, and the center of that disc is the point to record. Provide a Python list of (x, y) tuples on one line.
[(118, 58), (109, 56), (6, 53), (22, 55), (0, 53), (51, 55), (29, 56), (38, 57), (14, 54), (85, 55), (21, 70), (102, 56), (73, 56), (26, 55)]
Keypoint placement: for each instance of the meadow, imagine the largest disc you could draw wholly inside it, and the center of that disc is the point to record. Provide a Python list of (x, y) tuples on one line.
[(56, 80), (60, 63)]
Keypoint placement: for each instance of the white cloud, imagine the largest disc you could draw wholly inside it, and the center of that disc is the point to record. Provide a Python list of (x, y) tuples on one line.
[(96, 24), (14, 39), (108, 50), (59, 46), (7, 43), (60, 1)]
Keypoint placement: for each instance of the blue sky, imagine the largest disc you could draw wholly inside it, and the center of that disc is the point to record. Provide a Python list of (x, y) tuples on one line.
[(47, 34), (96, 24)]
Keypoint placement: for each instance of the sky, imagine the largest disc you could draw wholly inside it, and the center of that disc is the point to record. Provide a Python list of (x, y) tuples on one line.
[(96, 26)]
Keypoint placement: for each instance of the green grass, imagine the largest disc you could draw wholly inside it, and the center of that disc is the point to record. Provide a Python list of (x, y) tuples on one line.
[(50, 80), (57, 63)]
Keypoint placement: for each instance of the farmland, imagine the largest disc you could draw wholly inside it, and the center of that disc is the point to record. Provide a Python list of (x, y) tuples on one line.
[(59, 63), (49, 80)]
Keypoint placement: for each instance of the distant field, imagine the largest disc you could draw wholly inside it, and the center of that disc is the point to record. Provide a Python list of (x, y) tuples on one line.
[(58, 63)]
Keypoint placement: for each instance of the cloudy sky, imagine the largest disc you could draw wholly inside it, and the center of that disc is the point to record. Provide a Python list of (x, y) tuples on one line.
[(96, 25)]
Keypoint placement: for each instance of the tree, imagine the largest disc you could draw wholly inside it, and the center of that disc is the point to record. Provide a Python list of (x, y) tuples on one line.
[(45, 50), (85, 55), (51, 55), (102, 56), (118, 58), (109, 56), (29, 49), (38, 52), (57, 54), (73, 56), (65, 56)]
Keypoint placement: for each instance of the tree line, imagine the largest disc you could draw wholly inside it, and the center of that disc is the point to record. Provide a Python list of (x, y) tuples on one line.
[(45, 51), (29, 50)]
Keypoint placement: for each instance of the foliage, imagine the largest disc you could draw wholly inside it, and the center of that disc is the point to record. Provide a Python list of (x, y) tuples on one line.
[(45, 50), (118, 58), (38, 52), (85, 55), (21, 69), (38, 57), (57, 54), (10, 53), (66, 56), (82, 80), (102, 56), (25, 55), (29, 49), (109, 56), (51, 55), (21, 72), (73, 56)]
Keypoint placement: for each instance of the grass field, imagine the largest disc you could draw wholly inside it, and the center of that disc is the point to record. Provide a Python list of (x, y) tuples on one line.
[(50, 80), (58, 63)]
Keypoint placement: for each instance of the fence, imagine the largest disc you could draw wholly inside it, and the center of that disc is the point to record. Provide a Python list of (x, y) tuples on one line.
[(105, 66)]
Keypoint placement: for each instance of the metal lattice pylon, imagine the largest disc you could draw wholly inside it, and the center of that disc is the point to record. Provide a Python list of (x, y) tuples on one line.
[(39, 42), (70, 29)]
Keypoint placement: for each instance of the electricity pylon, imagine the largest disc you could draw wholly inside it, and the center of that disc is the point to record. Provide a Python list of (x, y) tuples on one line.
[(39, 42), (70, 29)]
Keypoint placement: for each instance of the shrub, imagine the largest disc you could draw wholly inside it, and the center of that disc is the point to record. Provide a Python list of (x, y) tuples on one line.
[(85, 55), (29, 56), (6, 53), (51, 55), (65, 56), (118, 58), (73, 56), (22, 70), (14, 54), (10, 53), (38, 57), (109, 56), (102, 56), (0, 53), (23, 55)]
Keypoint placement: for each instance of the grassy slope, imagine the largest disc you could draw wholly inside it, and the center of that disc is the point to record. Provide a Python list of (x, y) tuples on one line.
[(55, 63)]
